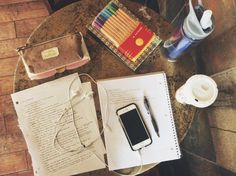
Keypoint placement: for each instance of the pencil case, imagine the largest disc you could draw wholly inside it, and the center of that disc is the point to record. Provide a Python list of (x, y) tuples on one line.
[(42, 60), (123, 34)]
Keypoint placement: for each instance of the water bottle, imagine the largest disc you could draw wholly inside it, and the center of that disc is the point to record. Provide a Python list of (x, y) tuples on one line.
[(196, 26)]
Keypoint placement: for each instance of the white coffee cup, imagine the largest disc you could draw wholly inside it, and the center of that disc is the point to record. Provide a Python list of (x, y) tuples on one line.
[(199, 90)]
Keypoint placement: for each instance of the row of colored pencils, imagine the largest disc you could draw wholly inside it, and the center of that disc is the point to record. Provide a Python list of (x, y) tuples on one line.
[(115, 24)]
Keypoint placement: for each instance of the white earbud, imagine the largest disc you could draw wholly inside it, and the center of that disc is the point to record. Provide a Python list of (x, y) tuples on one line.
[(74, 93)]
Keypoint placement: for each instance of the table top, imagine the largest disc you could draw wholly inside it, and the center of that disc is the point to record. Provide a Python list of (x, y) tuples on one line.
[(104, 64)]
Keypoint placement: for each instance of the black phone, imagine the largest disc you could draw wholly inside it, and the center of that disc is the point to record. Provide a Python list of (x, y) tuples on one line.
[(134, 127)]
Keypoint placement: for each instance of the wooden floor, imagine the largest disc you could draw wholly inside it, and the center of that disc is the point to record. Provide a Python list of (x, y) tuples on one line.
[(17, 20)]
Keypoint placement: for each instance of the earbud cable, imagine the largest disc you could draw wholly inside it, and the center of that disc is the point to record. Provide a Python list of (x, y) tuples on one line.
[(83, 146)]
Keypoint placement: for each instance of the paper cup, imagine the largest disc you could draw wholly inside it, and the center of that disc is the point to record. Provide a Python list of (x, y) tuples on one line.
[(199, 90)]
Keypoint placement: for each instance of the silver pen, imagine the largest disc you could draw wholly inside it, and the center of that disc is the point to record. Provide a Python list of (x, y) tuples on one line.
[(149, 110)]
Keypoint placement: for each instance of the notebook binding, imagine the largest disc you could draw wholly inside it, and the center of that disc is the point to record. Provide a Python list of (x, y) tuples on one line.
[(171, 116)]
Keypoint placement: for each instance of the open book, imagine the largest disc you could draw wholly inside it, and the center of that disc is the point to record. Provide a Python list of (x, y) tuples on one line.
[(53, 135), (119, 92)]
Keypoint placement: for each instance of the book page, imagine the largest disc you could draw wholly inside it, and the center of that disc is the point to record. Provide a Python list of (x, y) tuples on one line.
[(54, 135), (119, 92)]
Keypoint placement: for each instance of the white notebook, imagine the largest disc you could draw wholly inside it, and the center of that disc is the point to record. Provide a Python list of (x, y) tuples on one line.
[(119, 92)]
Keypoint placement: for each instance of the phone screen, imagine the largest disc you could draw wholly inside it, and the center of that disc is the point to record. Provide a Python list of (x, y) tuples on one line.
[(134, 126)]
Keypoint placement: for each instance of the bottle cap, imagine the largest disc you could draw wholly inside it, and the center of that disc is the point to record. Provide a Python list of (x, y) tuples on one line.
[(206, 21), (192, 27)]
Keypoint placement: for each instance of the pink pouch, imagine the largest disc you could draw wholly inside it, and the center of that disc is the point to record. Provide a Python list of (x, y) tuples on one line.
[(45, 59)]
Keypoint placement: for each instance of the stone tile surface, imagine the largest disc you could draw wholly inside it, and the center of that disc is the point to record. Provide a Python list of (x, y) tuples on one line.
[(199, 139), (222, 113), (199, 166), (225, 172), (223, 118), (225, 146), (218, 54)]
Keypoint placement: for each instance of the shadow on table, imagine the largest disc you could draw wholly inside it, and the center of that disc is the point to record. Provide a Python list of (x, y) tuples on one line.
[(198, 153)]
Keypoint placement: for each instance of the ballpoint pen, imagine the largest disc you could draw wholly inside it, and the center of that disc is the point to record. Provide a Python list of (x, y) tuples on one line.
[(149, 110)]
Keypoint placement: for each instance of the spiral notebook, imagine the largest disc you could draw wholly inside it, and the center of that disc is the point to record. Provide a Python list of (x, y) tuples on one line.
[(118, 92), (122, 33)]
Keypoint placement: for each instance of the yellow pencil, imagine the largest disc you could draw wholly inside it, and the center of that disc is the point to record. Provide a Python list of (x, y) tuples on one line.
[(123, 29), (111, 30), (110, 37), (123, 18), (116, 29), (127, 17)]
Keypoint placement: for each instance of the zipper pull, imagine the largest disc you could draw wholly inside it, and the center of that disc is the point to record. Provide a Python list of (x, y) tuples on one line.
[(19, 49)]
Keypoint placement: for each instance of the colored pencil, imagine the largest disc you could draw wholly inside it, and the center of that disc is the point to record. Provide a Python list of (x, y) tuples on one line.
[(114, 23)]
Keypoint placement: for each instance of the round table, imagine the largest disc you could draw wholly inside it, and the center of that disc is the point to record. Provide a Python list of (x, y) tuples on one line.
[(103, 64)]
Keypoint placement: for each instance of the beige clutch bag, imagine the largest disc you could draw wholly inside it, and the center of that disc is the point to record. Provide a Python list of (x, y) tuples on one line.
[(45, 59)]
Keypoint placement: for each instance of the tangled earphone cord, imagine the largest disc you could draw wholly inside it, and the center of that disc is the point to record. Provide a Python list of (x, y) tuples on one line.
[(83, 146)]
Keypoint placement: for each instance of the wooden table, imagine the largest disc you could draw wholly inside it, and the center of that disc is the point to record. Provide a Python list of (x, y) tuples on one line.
[(103, 64)]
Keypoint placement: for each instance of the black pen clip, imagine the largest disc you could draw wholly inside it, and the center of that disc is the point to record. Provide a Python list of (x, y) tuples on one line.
[(146, 105)]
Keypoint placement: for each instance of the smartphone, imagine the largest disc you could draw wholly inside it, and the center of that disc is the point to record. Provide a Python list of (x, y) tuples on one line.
[(134, 127)]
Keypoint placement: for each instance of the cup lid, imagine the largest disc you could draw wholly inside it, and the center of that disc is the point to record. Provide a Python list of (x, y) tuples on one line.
[(202, 90)]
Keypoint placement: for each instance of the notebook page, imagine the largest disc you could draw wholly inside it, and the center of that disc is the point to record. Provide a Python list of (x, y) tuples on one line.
[(39, 110), (116, 93)]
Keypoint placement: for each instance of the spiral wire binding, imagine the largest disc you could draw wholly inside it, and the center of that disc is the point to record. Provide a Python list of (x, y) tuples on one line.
[(171, 116)]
